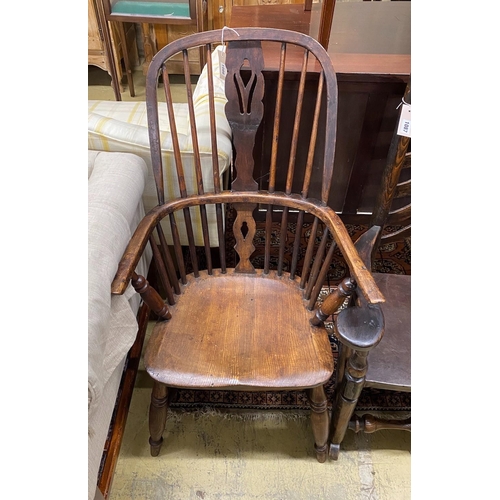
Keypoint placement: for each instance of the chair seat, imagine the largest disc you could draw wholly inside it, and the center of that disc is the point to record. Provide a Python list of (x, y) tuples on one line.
[(238, 331), (389, 363)]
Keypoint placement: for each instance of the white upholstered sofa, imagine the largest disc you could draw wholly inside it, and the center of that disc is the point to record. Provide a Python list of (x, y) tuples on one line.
[(121, 190), (115, 187), (122, 126)]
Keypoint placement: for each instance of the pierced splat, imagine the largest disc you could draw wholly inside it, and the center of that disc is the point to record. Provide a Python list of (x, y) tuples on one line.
[(244, 230), (244, 109)]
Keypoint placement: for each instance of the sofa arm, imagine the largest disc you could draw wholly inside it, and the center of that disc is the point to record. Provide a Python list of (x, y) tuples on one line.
[(114, 209)]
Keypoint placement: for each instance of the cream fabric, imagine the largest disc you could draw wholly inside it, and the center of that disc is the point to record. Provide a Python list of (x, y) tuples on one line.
[(122, 126), (99, 423), (115, 188)]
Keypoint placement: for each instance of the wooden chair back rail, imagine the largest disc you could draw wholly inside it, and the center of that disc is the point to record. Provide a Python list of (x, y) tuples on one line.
[(277, 117), (391, 188), (245, 113), (323, 214), (399, 216), (238, 43), (403, 189)]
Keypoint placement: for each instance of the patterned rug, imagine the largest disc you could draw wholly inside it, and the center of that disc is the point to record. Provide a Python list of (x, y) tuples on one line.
[(393, 258)]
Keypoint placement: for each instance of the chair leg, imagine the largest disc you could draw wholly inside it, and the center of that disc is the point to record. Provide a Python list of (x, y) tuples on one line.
[(369, 423), (157, 417), (346, 400), (320, 421)]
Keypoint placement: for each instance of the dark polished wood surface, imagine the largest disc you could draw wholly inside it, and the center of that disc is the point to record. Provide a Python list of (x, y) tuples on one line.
[(370, 51), (371, 38)]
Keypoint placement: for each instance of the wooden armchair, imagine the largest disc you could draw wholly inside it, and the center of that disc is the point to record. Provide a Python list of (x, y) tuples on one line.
[(245, 326), (381, 360)]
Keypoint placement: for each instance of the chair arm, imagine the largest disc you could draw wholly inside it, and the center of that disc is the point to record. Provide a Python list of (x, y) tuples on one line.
[(133, 252), (365, 282), (360, 328)]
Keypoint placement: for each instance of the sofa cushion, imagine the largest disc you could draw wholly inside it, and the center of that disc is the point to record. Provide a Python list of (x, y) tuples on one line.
[(122, 126)]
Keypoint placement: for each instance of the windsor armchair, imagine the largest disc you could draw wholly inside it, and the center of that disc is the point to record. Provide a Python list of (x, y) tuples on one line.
[(248, 326), (383, 360)]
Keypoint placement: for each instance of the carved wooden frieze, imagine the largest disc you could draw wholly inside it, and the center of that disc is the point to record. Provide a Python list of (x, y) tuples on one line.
[(244, 231), (244, 109)]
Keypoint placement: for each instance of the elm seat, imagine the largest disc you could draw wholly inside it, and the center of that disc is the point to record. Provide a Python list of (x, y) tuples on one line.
[(276, 310)]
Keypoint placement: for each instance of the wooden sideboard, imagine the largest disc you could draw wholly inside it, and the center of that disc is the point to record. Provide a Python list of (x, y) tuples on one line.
[(370, 50)]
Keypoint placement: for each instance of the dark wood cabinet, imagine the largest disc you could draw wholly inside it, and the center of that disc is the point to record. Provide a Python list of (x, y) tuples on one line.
[(370, 50)]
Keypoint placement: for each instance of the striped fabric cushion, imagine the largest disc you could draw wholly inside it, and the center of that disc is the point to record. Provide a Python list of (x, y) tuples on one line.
[(121, 126)]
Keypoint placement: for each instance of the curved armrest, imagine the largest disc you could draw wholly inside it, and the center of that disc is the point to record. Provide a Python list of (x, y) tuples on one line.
[(365, 282), (133, 252), (360, 328)]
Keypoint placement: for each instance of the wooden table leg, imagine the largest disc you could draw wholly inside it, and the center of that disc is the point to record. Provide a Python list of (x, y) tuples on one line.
[(115, 83), (149, 45), (128, 69)]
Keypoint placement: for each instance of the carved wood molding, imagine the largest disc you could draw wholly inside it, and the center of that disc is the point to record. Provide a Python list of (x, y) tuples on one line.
[(244, 109), (244, 231)]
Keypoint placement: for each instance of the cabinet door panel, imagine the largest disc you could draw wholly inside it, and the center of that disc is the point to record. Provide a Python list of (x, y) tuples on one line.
[(221, 9)]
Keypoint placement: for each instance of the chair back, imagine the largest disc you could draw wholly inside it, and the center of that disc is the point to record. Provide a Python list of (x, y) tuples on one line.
[(256, 76), (392, 209)]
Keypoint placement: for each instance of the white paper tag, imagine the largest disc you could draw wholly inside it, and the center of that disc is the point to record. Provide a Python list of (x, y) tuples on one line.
[(404, 127), (222, 62)]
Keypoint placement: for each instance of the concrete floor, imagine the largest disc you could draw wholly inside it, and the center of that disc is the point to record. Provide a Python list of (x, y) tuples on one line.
[(252, 455), (263, 455)]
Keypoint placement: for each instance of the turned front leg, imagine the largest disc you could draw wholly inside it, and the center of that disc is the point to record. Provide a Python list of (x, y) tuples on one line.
[(157, 417), (359, 329), (320, 421), (346, 400)]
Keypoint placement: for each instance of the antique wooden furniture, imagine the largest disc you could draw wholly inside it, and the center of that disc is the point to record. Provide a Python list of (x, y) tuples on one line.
[(381, 360), (369, 45), (163, 22), (109, 44), (222, 9), (245, 325)]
